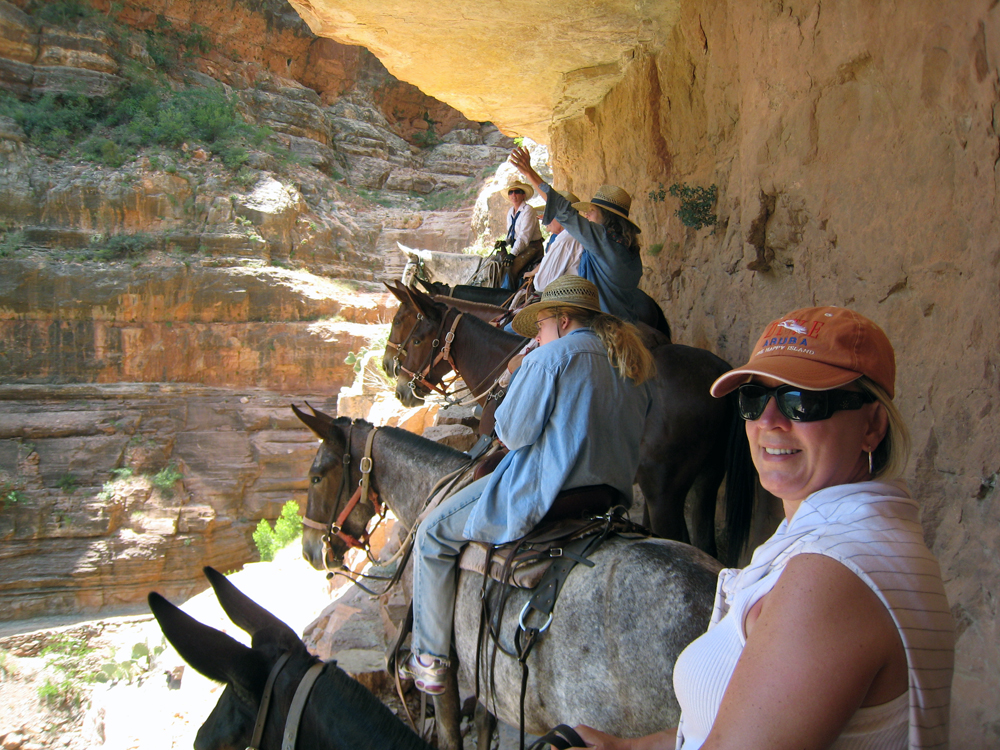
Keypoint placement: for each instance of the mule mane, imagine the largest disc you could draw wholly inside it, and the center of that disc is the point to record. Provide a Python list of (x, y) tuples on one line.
[(408, 442), (421, 446), (492, 334)]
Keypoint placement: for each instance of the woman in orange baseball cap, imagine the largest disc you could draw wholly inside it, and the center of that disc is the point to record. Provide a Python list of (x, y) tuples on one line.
[(838, 633)]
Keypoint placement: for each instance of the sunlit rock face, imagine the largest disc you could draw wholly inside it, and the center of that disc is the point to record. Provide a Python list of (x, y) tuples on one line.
[(855, 149), (520, 64)]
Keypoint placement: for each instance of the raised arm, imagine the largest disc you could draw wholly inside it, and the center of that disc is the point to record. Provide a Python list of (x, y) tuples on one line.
[(521, 160)]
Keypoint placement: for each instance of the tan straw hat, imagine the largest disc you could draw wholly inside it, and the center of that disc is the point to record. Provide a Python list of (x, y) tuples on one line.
[(528, 190), (610, 198), (571, 197), (566, 291), (818, 348)]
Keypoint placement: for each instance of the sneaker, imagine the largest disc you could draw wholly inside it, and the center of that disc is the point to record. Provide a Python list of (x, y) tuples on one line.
[(427, 672)]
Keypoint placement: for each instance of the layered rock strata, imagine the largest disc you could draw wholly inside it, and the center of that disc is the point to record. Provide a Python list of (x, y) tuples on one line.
[(160, 315), (79, 534)]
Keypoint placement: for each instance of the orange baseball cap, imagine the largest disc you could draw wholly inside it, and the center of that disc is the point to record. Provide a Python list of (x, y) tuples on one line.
[(818, 348)]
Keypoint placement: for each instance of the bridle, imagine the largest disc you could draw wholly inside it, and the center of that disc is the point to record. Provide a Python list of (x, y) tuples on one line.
[(294, 717), (421, 376), (335, 527)]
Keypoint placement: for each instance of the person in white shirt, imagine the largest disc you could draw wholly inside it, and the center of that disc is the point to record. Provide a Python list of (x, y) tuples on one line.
[(562, 253), (524, 234)]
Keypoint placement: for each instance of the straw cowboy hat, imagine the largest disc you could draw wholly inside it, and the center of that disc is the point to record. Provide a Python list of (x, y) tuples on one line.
[(528, 190), (566, 291), (610, 198)]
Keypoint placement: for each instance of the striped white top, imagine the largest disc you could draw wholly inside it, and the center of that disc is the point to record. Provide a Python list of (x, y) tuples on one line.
[(873, 529)]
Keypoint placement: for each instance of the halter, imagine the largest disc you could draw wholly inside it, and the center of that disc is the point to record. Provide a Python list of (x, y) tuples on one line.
[(335, 528), (401, 348), (421, 377), (294, 716), (434, 357)]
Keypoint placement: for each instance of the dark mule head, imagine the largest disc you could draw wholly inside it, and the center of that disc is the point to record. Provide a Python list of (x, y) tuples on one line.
[(415, 359), (224, 659), (400, 336), (330, 489)]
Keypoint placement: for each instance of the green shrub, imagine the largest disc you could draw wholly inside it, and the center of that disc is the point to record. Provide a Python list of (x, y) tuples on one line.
[(67, 482), (121, 246), (65, 694), (166, 477), (143, 112), (286, 529), (696, 204), (11, 242), (61, 12)]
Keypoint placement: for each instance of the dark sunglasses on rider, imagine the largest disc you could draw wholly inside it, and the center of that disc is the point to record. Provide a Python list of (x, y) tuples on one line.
[(516, 190), (798, 404)]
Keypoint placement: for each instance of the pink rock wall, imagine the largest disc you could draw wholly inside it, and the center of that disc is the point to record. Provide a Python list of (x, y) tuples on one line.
[(855, 147)]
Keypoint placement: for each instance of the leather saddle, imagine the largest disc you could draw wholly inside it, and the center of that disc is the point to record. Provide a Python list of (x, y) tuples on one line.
[(576, 513)]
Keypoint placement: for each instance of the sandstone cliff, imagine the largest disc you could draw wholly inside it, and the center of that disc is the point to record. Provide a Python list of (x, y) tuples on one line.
[(165, 297), (855, 148)]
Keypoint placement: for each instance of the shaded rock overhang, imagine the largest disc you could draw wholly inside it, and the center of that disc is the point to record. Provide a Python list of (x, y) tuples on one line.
[(521, 64)]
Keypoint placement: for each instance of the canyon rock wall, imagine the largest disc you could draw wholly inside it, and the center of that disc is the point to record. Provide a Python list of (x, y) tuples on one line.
[(83, 535), (855, 149), (159, 313)]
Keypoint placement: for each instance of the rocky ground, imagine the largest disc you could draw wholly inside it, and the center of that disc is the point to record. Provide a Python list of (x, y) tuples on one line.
[(156, 702)]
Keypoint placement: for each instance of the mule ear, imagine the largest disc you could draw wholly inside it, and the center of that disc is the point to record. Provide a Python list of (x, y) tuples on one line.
[(428, 286), (319, 423), (243, 610), (209, 651), (427, 305), (399, 292)]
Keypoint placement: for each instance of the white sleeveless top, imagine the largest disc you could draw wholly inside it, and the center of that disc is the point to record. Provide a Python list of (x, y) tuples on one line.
[(872, 528)]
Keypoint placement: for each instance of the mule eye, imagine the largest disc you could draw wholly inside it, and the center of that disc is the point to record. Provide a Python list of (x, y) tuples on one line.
[(317, 480)]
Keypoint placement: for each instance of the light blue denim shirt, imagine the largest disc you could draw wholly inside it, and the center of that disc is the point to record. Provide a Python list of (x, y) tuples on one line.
[(613, 269), (569, 420)]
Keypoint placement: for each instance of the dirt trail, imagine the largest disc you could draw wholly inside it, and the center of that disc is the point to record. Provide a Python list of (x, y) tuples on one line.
[(147, 713)]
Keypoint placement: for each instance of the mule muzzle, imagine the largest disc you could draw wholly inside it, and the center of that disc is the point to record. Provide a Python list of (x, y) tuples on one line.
[(317, 552)]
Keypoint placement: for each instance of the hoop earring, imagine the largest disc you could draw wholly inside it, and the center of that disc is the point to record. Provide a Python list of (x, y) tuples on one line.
[(871, 467)]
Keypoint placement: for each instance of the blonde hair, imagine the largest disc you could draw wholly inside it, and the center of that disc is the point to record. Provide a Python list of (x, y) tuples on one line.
[(889, 459), (626, 352)]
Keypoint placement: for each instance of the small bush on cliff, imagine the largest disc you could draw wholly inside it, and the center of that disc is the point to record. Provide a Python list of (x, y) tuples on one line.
[(121, 246), (61, 12), (696, 204), (286, 529), (67, 483), (143, 112)]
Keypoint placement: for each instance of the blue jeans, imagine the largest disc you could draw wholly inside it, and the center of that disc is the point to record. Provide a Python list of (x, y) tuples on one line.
[(439, 542)]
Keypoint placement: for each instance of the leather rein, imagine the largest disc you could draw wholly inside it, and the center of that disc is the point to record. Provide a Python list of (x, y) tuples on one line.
[(436, 355), (294, 718), (364, 492)]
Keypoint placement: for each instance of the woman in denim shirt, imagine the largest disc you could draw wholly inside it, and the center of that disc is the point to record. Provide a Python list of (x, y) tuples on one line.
[(586, 379)]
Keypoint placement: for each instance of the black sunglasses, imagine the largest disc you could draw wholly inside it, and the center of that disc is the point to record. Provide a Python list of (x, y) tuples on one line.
[(798, 404), (518, 191)]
